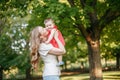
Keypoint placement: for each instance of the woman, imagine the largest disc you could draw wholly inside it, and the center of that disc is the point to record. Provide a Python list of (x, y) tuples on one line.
[(47, 52)]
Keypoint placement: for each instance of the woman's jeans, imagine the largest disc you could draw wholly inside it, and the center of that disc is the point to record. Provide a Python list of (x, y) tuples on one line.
[(51, 77)]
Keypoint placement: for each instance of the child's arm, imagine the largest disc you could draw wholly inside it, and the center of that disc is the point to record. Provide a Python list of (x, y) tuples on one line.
[(51, 36), (58, 51)]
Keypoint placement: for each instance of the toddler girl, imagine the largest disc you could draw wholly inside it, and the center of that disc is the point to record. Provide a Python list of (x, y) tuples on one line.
[(52, 28)]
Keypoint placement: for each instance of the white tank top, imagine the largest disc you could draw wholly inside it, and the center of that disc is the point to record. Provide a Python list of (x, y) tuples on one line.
[(50, 61)]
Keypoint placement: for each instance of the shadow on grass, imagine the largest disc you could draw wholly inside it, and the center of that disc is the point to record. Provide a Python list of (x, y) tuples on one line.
[(117, 75), (112, 77), (33, 78), (109, 78), (78, 79)]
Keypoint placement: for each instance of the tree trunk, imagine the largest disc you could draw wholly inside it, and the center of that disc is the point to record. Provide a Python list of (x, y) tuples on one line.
[(117, 60), (105, 62), (65, 65), (1, 73), (28, 75), (95, 60)]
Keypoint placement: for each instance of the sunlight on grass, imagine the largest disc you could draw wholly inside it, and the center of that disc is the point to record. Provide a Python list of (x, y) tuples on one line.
[(110, 75)]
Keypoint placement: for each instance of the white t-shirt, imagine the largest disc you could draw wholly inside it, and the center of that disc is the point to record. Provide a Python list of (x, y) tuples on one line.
[(50, 61)]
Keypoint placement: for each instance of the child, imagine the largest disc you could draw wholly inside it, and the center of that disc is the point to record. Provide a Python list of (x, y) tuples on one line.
[(51, 28)]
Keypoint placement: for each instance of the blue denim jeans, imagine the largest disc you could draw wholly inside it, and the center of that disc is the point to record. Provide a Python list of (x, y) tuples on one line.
[(51, 77)]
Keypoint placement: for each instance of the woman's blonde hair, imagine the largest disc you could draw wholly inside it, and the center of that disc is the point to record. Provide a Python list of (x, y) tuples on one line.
[(35, 41)]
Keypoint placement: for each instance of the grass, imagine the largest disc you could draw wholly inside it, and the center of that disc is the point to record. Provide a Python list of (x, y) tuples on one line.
[(108, 75)]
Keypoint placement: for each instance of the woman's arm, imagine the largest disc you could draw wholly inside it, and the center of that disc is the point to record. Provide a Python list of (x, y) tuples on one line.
[(58, 51)]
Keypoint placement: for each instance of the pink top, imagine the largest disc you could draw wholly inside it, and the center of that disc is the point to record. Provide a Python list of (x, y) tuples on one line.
[(60, 37)]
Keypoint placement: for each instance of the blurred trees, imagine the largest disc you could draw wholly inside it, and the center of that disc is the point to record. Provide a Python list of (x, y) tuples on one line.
[(13, 38), (110, 42), (84, 24)]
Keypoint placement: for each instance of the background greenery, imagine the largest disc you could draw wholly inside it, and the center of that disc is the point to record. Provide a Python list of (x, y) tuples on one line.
[(18, 17)]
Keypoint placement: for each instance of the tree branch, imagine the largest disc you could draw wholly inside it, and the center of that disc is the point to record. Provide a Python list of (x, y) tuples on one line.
[(92, 3), (82, 30), (83, 3), (93, 18), (91, 13), (108, 17), (71, 2), (1, 26), (79, 26)]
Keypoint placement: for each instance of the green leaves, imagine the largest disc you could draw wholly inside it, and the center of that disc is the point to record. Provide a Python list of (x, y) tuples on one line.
[(110, 39), (113, 4), (13, 7), (15, 28)]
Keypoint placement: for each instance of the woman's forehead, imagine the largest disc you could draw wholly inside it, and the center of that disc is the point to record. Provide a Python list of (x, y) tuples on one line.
[(40, 29)]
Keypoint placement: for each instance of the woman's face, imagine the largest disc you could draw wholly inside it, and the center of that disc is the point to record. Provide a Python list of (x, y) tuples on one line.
[(44, 33)]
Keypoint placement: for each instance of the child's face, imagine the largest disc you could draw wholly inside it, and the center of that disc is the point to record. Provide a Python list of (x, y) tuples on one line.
[(49, 24)]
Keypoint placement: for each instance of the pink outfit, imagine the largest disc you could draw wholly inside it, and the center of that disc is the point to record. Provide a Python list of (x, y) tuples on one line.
[(60, 37)]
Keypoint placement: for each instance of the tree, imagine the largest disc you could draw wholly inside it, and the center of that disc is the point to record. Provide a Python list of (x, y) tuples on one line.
[(85, 18), (117, 55), (97, 22)]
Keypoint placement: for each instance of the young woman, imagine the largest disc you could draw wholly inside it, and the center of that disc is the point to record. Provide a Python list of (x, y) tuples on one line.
[(47, 53)]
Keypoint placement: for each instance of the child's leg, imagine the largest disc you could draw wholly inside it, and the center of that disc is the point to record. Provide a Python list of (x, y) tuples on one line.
[(60, 58), (60, 62)]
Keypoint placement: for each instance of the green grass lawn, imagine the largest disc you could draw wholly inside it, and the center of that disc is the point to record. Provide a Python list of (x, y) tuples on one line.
[(109, 75)]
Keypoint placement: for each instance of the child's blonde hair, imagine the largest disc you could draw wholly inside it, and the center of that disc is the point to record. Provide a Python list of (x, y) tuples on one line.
[(34, 45)]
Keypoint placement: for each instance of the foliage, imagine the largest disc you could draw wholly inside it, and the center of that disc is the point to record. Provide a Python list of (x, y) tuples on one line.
[(110, 39), (75, 19), (12, 48), (13, 40)]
